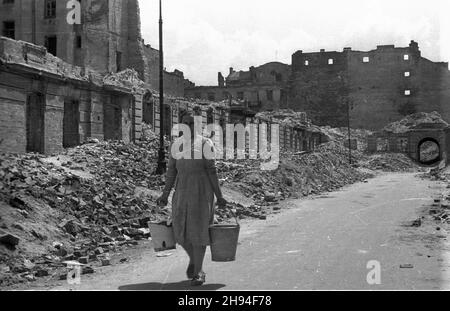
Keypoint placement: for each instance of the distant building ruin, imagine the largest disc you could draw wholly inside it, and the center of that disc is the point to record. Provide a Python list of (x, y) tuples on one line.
[(375, 87), (411, 142), (261, 88), (378, 87)]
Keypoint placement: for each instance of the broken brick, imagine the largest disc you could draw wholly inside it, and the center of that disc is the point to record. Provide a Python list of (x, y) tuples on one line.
[(87, 270), (41, 273), (9, 240)]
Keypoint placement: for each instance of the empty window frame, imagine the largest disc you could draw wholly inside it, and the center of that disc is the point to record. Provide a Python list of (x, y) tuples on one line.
[(402, 145), (50, 9), (118, 61), (306, 62), (79, 42), (330, 61), (9, 29), (406, 57), (407, 74), (407, 92), (366, 59), (51, 43), (382, 144), (210, 116)]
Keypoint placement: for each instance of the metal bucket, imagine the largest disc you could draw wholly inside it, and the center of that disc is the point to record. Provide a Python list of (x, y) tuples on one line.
[(162, 235), (224, 242)]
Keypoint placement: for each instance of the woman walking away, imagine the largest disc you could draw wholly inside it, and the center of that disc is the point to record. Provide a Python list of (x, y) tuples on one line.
[(195, 182)]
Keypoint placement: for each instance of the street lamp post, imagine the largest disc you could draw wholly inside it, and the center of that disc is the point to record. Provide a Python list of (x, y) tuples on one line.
[(162, 166), (349, 133)]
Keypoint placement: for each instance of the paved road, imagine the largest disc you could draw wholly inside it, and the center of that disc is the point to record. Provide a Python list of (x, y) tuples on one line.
[(318, 243)]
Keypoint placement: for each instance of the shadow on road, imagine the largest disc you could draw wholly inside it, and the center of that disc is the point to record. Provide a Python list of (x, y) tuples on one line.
[(182, 286)]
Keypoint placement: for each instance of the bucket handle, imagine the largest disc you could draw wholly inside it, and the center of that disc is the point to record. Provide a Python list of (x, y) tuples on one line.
[(235, 216)]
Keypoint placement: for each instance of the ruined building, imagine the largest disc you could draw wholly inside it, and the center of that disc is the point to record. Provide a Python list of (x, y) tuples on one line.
[(262, 88), (108, 38), (375, 87), (371, 89), (65, 83), (48, 104)]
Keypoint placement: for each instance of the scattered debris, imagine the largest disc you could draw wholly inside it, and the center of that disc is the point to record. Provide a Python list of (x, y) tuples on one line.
[(414, 120), (9, 240), (163, 255), (87, 270), (407, 266), (416, 223), (390, 162)]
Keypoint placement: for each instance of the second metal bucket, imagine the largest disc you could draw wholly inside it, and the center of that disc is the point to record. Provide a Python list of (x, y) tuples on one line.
[(224, 242), (162, 235)]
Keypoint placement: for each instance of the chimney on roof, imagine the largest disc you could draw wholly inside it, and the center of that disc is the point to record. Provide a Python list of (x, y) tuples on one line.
[(414, 45), (347, 49), (322, 50), (231, 70)]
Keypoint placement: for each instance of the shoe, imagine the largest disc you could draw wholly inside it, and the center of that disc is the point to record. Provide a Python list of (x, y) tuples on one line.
[(199, 280), (190, 271)]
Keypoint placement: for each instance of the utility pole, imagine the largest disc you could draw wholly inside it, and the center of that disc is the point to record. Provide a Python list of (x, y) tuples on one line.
[(162, 166), (33, 22)]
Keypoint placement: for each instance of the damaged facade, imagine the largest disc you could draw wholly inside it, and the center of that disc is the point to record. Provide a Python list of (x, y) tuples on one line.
[(62, 85), (375, 87), (378, 87), (293, 137), (261, 88), (107, 40), (411, 142), (49, 105)]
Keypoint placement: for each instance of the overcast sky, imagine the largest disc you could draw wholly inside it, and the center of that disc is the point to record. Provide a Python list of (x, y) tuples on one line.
[(203, 37)]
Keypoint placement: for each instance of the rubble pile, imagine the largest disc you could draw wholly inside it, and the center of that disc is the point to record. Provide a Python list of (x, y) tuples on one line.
[(127, 78), (389, 162), (414, 120), (289, 118), (341, 135), (98, 196), (299, 174), (286, 116)]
